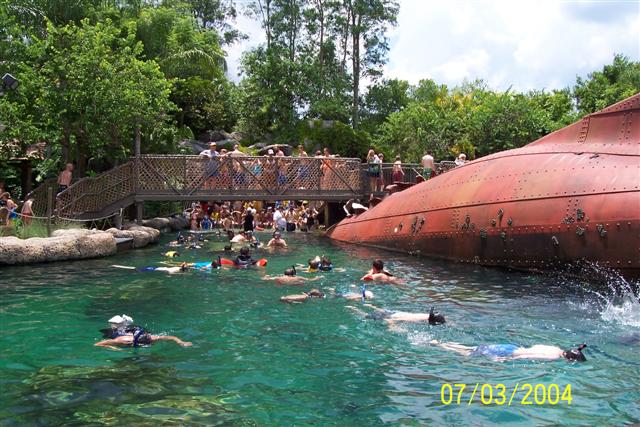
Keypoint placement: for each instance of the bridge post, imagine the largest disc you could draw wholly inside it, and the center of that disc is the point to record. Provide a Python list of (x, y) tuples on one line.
[(139, 211), (327, 223)]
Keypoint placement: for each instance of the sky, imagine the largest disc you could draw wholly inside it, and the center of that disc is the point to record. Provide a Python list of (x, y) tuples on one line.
[(522, 44)]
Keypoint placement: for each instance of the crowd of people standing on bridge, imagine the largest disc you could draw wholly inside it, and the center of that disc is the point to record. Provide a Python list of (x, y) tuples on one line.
[(253, 216), (272, 169)]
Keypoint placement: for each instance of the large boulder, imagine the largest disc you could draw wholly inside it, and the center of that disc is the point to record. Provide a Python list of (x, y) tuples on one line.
[(214, 136), (161, 224), (238, 136), (64, 245), (286, 148), (178, 223), (141, 235)]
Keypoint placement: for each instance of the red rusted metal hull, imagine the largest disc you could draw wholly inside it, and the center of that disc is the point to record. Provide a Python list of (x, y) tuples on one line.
[(572, 195)]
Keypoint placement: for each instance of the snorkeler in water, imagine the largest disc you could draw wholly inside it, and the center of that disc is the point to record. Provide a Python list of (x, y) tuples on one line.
[(244, 259), (171, 270), (379, 274), (297, 298), (290, 277), (122, 332), (180, 240), (511, 351), (139, 338), (318, 264), (392, 317), (215, 264)]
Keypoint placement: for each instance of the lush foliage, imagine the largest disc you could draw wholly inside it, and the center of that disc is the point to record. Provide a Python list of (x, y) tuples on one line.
[(97, 75), (478, 121)]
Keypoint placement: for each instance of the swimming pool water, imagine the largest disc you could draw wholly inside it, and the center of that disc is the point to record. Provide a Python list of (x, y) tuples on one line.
[(257, 361)]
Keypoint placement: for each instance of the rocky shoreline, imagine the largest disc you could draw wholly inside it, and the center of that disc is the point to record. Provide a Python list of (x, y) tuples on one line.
[(72, 244)]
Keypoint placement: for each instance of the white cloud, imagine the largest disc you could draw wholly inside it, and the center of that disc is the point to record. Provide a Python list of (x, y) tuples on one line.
[(255, 35), (525, 44)]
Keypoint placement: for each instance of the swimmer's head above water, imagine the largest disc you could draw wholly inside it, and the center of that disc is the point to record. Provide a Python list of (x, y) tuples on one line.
[(315, 293), (575, 354), (314, 264), (290, 271), (435, 318)]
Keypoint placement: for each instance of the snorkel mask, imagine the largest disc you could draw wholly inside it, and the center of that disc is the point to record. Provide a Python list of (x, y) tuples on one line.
[(290, 271), (575, 354), (435, 318)]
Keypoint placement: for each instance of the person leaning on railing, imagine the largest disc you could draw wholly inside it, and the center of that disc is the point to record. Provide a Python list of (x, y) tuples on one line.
[(397, 172)]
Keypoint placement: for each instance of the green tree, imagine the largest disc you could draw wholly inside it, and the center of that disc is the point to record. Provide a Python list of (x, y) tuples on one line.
[(615, 82), (367, 21), (382, 99), (90, 90)]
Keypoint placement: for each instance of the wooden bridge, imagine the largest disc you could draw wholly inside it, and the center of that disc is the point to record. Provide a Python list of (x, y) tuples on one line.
[(190, 178)]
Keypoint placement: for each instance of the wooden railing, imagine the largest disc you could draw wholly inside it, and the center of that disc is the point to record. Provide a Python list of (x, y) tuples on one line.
[(411, 173), (153, 177), (181, 178)]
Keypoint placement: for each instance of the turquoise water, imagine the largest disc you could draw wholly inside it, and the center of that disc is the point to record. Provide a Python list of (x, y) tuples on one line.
[(257, 361)]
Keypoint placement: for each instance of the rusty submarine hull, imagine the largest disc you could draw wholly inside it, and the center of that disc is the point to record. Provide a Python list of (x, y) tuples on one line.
[(571, 196)]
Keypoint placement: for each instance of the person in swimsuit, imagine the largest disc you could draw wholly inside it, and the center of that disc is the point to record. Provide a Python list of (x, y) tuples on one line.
[(379, 274), (427, 165), (27, 211), (249, 220), (290, 277), (245, 237), (139, 338), (65, 177), (392, 317), (123, 333), (244, 259), (298, 298), (277, 241), (512, 351), (215, 264)]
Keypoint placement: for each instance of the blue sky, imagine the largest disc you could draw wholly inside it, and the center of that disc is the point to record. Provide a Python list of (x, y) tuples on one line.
[(524, 44)]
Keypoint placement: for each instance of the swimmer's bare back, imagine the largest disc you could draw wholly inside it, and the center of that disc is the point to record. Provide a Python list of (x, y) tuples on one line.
[(127, 340)]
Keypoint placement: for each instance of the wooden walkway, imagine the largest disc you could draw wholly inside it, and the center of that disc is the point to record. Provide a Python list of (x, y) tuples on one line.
[(188, 178)]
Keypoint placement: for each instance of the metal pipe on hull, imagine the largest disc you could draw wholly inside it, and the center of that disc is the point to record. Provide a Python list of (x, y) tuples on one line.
[(571, 195)]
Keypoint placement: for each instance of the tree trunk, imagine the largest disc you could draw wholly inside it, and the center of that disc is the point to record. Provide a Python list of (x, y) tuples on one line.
[(66, 143), (345, 34), (136, 148), (82, 143), (355, 58), (265, 11), (320, 4)]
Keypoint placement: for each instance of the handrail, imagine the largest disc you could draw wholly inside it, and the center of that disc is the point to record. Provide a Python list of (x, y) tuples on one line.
[(192, 177)]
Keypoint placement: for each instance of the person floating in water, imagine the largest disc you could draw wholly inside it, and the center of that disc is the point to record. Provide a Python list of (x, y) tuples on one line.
[(277, 241), (364, 294), (180, 240), (379, 274), (298, 298), (122, 333), (290, 277), (215, 264), (392, 317), (511, 351), (317, 264), (171, 270), (244, 259), (245, 237)]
